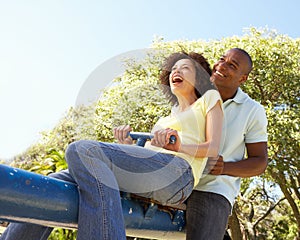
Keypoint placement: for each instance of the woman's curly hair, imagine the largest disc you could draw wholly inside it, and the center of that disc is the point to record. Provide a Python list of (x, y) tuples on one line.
[(203, 73)]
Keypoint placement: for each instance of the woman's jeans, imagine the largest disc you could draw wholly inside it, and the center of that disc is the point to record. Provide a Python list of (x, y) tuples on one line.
[(101, 170)]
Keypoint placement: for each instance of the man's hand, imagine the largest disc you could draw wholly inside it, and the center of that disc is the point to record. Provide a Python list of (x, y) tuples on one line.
[(215, 166)]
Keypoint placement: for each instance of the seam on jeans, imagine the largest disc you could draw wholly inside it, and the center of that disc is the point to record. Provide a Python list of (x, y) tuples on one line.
[(101, 193), (183, 196), (46, 233)]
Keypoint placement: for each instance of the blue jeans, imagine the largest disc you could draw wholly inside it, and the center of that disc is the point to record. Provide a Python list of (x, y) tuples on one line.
[(101, 170), (206, 216)]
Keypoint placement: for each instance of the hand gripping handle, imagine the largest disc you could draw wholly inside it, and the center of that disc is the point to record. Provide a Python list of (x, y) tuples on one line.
[(142, 137)]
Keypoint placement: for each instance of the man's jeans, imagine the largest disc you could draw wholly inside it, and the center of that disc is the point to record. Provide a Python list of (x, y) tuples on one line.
[(207, 216), (101, 170)]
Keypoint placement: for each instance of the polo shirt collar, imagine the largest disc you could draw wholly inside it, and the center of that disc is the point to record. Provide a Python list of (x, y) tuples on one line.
[(239, 97)]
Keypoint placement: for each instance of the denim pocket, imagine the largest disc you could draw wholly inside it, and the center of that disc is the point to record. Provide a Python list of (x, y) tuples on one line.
[(182, 194)]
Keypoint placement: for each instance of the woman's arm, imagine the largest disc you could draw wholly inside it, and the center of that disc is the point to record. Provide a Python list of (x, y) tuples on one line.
[(209, 148)]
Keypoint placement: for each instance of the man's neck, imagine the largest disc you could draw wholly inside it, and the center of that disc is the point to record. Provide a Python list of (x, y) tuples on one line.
[(225, 95)]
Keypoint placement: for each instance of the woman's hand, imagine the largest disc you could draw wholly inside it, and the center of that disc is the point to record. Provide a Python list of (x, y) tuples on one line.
[(162, 139), (121, 134), (215, 166)]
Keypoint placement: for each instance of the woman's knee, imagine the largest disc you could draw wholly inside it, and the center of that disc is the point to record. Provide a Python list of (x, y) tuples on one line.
[(75, 148), (79, 149), (70, 151)]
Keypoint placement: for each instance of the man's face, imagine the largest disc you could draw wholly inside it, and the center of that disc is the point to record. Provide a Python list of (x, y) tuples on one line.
[(230, 71)]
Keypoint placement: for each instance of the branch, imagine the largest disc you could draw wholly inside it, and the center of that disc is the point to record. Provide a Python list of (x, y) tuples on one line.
[(267, 212), (295, 187)]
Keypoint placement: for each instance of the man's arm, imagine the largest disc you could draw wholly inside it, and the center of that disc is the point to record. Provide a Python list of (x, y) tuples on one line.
[(254, 165)]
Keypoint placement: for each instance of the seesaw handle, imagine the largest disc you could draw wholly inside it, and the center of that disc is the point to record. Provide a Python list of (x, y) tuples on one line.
[(142, 137)]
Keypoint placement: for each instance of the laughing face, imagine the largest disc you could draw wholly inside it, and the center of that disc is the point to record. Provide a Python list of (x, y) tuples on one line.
[(230, 71), (182, 79)]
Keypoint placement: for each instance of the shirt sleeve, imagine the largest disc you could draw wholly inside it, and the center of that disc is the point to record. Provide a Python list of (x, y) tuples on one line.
[(257, 128), (211, 97)]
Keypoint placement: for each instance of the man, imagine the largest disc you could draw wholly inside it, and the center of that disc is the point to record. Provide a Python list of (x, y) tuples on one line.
[(245, 127)]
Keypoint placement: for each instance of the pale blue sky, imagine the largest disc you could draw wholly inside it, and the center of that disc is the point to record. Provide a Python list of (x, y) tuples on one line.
[(48, 48)]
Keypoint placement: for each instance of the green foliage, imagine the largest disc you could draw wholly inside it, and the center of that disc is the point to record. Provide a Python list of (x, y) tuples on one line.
[(53, 161), (263, 214), (47, 155), (282, 225), (63, 234), (135, 99), (284, 144)]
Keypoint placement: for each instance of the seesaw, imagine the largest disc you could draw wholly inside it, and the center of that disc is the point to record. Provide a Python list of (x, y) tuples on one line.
[(33, 198)]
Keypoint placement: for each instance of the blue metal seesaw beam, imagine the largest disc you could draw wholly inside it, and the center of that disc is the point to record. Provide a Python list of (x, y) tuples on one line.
[(34, 198), (31, 197)]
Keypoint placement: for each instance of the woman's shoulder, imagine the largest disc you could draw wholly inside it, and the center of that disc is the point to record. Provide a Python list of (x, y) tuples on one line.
[(210, 95), (208, 100)]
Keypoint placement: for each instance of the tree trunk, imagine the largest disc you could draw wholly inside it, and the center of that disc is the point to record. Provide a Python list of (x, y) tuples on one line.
[(234, 225), (288, 195)]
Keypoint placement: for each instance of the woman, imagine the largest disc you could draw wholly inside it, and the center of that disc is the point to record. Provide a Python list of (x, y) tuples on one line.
[(162, 171)]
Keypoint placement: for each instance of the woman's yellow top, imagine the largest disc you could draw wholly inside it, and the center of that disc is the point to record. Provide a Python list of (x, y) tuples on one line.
[(190, 125)]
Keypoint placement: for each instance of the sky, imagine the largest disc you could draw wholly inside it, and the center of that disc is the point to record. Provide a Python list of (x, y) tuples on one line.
[(50, 48)]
